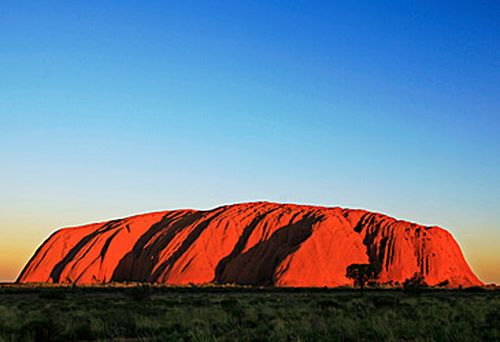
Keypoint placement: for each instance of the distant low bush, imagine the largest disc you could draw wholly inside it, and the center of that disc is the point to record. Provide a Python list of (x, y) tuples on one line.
[(53, 293), (140, 293), (415, 284), (361, 274), (475, 289)]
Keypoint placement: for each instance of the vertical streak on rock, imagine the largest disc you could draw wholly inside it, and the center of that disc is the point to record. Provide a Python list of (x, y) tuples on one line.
[(251, 243)]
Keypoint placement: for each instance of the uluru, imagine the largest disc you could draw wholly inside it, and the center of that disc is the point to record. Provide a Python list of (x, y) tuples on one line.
[(260, 243)]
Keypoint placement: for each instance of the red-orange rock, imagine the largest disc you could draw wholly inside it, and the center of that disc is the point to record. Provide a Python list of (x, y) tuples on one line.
[(253, 243)]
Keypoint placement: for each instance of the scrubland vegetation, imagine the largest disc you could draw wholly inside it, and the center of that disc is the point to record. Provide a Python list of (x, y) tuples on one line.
[(143, 313)]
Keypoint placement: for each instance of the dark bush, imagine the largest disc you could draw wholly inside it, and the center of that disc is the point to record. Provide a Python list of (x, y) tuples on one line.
[(41, 327), (385, 301), (415, 284), (53, 293), (140, 293), (361, 274), (475, 289), (327, 303)]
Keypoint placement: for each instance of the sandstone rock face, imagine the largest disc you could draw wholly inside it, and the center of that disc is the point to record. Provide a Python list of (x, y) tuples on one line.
[(253, 243)]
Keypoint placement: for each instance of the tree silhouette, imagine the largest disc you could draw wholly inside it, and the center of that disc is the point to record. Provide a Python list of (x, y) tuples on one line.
[(361, 274), (415, 284)]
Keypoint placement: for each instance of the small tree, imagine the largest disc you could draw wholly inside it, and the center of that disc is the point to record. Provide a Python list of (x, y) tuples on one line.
[(415, 284), (361, 274)]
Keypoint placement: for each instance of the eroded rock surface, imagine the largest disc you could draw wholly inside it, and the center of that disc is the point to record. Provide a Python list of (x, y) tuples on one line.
[(253, 243)]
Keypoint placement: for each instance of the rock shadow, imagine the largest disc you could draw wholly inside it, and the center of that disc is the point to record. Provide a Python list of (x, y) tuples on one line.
[(55, 274), (138, 264), (259, 264)]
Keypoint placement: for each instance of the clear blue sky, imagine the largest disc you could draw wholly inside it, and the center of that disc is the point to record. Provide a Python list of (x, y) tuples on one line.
[(109, 108)]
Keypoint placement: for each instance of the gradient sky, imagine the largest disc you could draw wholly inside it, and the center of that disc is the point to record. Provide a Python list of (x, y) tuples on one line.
[(111, 108)]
